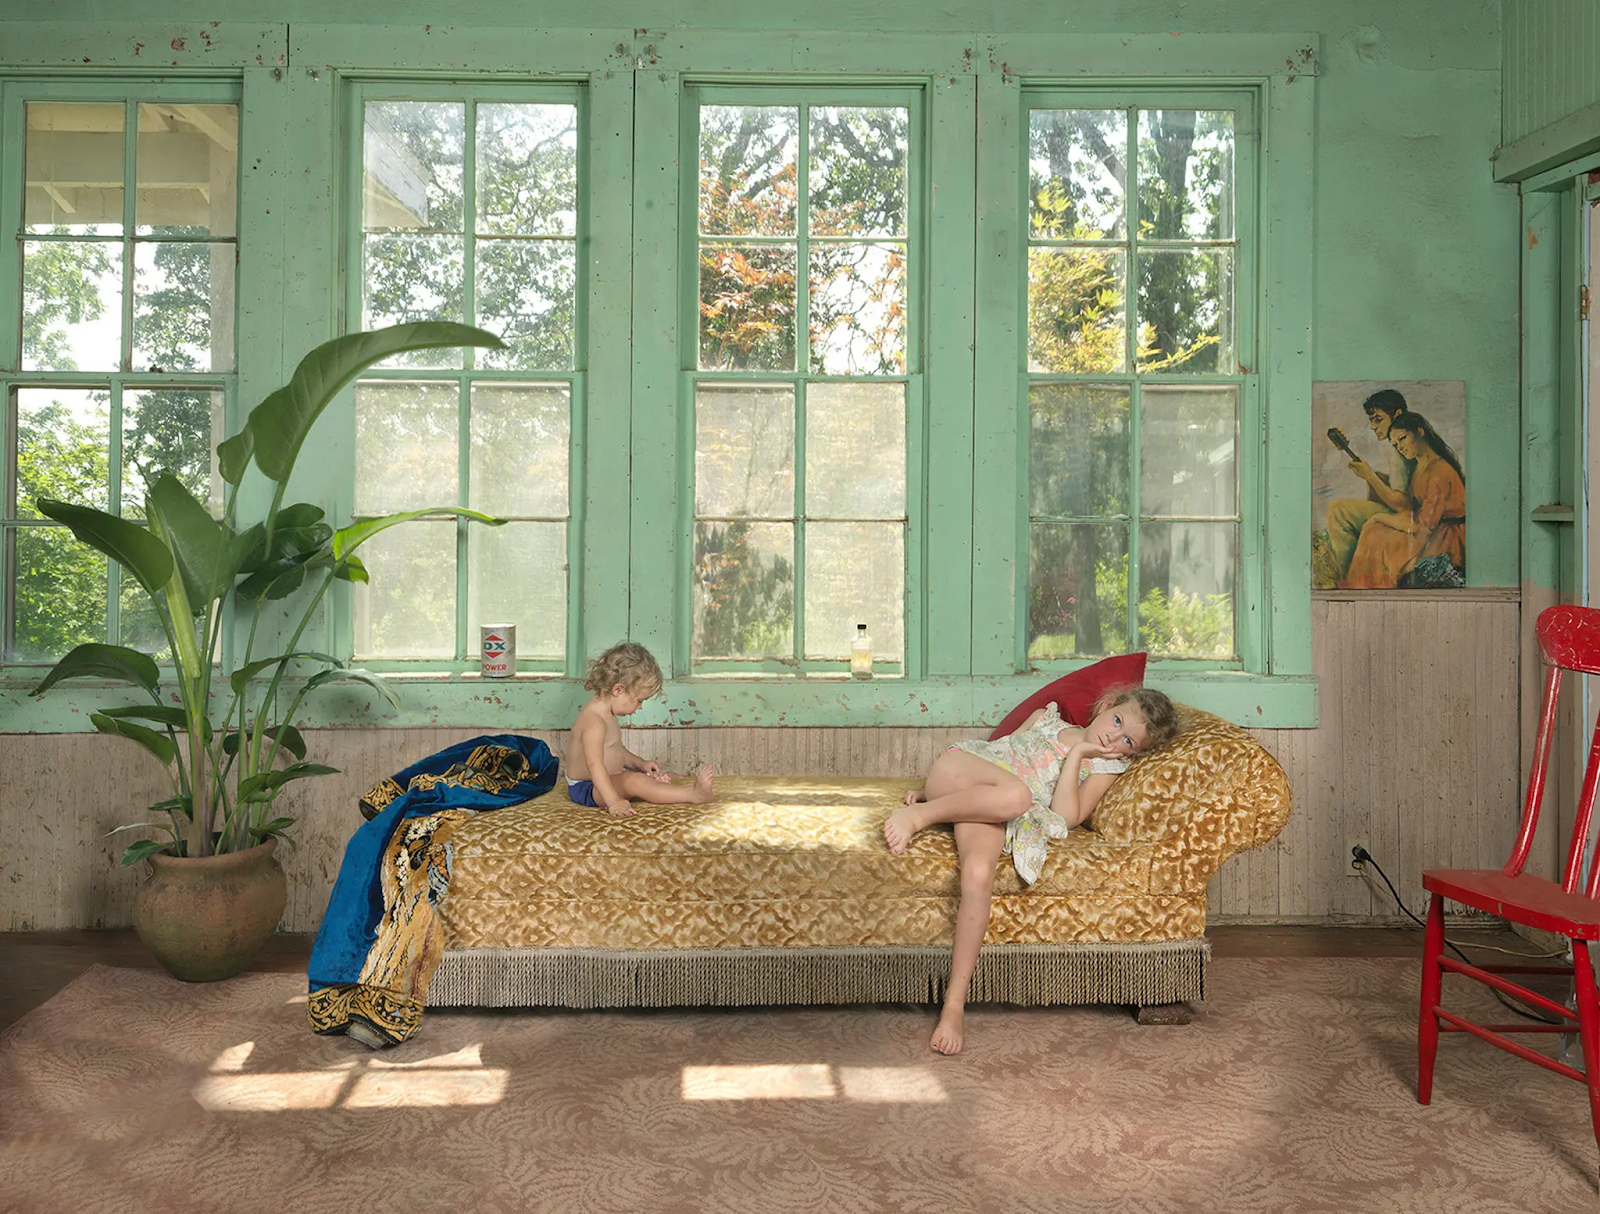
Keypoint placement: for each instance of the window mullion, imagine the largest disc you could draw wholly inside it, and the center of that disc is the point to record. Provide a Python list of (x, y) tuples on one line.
[(800, 519), (802, 357), (464, 496), (1135, 507)]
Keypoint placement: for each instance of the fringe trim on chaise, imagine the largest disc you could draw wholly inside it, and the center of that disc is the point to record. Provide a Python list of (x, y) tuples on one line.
[(1143, 974)]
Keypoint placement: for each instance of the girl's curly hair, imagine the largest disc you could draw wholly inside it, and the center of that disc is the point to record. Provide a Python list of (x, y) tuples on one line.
[(1160, 714), (629, 664)]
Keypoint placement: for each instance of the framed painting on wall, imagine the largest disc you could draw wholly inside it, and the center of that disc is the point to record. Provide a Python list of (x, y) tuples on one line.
[(1388, 485)]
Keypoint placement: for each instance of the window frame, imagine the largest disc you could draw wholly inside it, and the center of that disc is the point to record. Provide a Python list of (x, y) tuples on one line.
[(15, 95), (803, 95), (469, 91), (1246, 307)]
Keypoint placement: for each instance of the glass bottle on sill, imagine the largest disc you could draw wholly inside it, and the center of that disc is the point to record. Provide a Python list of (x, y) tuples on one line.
[(861, 654)]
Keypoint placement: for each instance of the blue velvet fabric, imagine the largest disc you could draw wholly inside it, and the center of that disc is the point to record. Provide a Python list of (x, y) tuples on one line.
[(355, 908)]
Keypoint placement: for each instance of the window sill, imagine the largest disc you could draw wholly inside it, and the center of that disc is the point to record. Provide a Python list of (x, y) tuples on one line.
[(542, 701)]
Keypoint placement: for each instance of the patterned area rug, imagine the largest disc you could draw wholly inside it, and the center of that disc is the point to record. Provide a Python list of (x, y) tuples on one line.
[(1292, 1090)]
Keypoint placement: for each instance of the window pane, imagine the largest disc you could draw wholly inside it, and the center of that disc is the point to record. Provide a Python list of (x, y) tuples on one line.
[(743, 590), (1186, 577), (71, 305), (1077, 450), (1185, 175), (747, 307), (858, 309), (61, 593), (63, 446), (411, 161), (855, 574), (744, 451), (1077, 174), (517, 574), (749, 169), (410, 278), (170, 430), (188, 170), (406, 448), (139, 626), (1076, 299), (409, 609), (1186, 311), (521, 436), (74, 168), (525, 293), (1186, 451), (527, 163), (1077, 590), (183, 306), (858, 170), (856, 451)]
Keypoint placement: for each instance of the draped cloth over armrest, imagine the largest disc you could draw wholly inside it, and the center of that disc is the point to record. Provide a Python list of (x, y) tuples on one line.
[(381, 940)]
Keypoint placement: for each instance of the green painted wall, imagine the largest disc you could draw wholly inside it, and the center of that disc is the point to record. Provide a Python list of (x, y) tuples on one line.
[(1413, 263)]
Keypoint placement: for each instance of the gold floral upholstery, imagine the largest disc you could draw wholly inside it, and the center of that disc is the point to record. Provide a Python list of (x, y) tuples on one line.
[(801, 862)]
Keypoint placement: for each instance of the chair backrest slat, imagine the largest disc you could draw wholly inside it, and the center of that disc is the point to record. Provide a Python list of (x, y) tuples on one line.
[(1569, 639), (1536, 774)]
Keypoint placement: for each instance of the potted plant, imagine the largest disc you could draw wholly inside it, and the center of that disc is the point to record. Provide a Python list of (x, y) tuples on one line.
[(215, 892)]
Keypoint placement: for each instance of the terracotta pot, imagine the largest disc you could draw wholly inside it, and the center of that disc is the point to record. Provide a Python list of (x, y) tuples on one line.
[(207, 918)]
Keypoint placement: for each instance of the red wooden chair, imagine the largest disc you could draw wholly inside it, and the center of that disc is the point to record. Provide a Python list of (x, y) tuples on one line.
[(1569, 639)]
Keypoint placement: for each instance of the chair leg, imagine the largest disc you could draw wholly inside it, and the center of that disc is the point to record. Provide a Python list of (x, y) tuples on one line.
[(1588, 1027), (1432, 983)]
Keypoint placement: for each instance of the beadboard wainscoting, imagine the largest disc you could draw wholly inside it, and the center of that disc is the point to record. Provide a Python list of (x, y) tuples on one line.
[(1417, 753)]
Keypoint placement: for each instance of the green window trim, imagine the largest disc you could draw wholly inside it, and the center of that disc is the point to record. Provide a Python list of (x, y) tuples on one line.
[(1238, 374), (138, 232), (357, 95), (634, 82), (802, 97)]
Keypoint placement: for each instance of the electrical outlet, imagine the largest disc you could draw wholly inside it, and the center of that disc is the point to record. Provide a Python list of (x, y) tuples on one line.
[(1351, 868)]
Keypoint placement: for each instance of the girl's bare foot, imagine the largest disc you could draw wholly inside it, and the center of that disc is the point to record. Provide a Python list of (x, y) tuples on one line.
[(913, 795), (946, 1037), (898, 829), (702, 782)]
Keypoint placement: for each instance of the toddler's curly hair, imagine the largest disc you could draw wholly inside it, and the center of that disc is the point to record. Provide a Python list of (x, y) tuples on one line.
[(629, 664), (1160, 714)]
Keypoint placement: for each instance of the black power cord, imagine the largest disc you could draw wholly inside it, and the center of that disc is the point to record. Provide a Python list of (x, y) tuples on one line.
[(1362, 856)]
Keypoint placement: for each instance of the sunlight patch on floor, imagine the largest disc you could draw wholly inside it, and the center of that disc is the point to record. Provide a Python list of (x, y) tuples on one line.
[(814, 1081), (456, 1078)]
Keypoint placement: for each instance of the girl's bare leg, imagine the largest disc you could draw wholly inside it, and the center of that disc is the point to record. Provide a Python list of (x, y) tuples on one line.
[(960, 788), (978, 844), (637, 786)]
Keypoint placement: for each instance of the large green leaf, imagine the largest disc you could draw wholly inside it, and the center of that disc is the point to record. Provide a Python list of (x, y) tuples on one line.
[(145, 848), (380, 685), (157, 744), (279, 425), (131, 546), (259, 786), (233, 455), (351, 570), (347, 539), (207, 552), (293, 741), (245, 673), (98, 661), (162, 714)]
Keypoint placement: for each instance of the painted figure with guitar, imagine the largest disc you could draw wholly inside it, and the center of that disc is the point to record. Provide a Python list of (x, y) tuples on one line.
[(1388, 492)]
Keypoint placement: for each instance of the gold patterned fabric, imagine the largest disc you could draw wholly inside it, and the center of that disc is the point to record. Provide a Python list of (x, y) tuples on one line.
[(801, 863)]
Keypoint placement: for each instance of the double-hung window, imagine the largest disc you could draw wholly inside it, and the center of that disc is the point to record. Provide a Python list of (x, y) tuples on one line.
[(121, 208), (468, 208), (805, 344), (1140, 281)]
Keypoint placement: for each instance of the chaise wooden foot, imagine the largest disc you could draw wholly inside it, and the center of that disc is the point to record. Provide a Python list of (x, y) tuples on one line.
[(1164, 1013)]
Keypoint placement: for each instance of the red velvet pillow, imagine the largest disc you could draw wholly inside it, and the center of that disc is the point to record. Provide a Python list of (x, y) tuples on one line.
[(1076, 693)]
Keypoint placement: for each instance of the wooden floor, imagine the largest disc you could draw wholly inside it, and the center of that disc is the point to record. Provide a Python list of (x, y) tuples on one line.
[(35, 965)]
